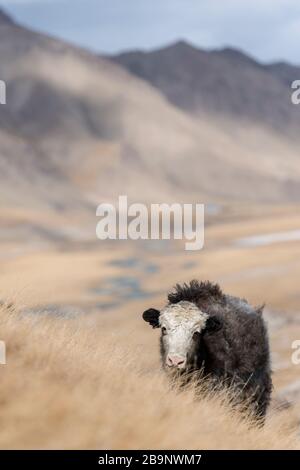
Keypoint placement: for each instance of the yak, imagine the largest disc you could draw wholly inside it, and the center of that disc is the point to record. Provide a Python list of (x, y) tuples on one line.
[(224, 337)]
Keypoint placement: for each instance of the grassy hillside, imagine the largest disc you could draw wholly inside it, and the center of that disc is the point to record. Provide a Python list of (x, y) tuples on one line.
[(71, 384)]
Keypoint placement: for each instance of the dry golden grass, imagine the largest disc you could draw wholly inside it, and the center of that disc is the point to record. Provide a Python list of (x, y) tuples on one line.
[(94, 381), (75, 383)]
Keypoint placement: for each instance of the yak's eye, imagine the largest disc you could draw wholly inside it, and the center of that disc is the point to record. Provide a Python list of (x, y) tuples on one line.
[(164, 331), (196, 335)]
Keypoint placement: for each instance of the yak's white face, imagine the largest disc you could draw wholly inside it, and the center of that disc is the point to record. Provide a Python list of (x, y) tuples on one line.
[(181, 326)]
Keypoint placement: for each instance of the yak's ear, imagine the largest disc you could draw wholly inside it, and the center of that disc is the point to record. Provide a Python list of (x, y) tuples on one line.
[(152, 316), (213, 324)]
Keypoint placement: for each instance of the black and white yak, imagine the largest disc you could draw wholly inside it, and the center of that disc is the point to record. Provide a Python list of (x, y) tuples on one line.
[(203, 329)]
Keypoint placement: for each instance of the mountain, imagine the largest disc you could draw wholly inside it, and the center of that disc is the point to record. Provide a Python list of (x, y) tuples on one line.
[(4, 18), (79, 129), (285, 72), (223, 83)]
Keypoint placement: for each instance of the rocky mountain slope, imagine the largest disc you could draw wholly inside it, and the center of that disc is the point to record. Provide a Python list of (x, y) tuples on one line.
[(78, 129), (223, 82)]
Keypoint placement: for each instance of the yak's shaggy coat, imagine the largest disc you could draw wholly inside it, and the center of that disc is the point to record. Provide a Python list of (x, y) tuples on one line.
[(233, 347)]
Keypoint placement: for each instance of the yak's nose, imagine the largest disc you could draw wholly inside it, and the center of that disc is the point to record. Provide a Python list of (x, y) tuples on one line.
[(175, 361)]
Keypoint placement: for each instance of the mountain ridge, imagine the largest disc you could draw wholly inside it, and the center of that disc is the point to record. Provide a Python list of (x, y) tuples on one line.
[(5, 18), (79, 129), (220, 81)]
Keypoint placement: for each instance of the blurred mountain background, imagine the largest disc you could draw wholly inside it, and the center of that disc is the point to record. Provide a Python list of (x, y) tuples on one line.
[(175, 123)]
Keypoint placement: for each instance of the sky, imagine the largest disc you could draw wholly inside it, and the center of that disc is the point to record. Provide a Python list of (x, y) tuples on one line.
[(269, 30)]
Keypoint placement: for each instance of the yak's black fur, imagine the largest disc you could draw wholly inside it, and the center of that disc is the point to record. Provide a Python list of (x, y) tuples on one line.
[(197, 292), (237, 353)]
